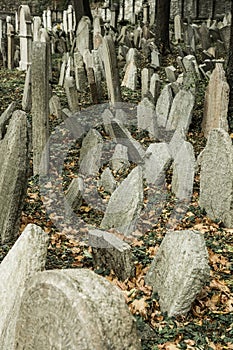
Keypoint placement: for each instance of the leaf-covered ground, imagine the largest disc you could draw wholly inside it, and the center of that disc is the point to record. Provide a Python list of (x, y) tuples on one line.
[(209, 324)]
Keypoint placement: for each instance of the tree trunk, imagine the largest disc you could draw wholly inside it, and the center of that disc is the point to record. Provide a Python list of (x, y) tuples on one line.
[(81, 8), (229, 74), (162, 25)]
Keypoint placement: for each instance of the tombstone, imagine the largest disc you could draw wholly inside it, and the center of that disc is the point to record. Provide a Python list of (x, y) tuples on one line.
[(44, 18), (204, 36), (70, 20), (26, 257), (119, 160), (192, 74), (49, 20), (225, 34), (74, 302), (155, 60), (107, 181), (40, 106), (130, 78), (111, 70), (125, 204), (181, 111), (90, 153), (179, 271), (63, 69), (97, 32), (178, 28), (5, 118), (74, 193), (216, 101), (80, 74), (65, 22), (216, 177), (27, 92), (145, 79), (10, 46), (111, 252), (176, 142), (155, 84), (36, 28), (25, 36), (55, 107), (171, 74), (83, 35), (71, 94), (163, 105), (98, 72), (14, 163), (146, 118), (157, 161), (183, 172)]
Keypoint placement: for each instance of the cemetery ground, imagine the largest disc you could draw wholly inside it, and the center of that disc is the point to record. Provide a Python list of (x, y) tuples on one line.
[(209, 324)]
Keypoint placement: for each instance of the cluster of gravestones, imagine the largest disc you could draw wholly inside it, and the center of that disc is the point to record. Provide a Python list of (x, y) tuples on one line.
[(77, 309)]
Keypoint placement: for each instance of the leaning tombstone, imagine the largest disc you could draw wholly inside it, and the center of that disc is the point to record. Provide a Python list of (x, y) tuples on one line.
[(163, 105), (5, 118), (90, 153), (146, 117), (71, 94), (83, 312), (14, 163), (25, 35), (179, 271)]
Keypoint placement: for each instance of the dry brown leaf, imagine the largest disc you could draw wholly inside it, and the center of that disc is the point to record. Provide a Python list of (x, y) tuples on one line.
[(138, 306)]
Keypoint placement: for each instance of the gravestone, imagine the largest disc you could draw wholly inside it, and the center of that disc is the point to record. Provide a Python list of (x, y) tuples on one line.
[(71, 94), (157, 160), (40, 106), (107, 181), (216, 176), (177, 28), (130, 78), (145, 79), (216, 101), (5, 118), (155, 84), (74, 193), (180, 114), (80, 309), (80, 74), (36, 28), (111, 69), (183, 172), (146, 117), (26, 257), (163, 105), (25, 36), (10, 45), (171, 74), (27, 92), (125, 204), (83, 35), (119, 160), (14, 163), (179, 271), (111, 252), (55, 107), (90, 153)]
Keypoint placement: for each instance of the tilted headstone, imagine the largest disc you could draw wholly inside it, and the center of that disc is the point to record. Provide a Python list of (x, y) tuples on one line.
[(26, 257), (181, 111), (81, 311), (171, 73), (107, 181), (74, 193), (130, 78), (183, 172), (119, 160), (146, 117), (163, 105), (10, 45), (55, 106), (155, 84), (179, 271), (145, 79), (125, 204), (216, 101), (5, 118), (14, 163), (25, 35), (216, 186), (80, 74), (90, 153), (111, 69), (71, 94), (111, 252)]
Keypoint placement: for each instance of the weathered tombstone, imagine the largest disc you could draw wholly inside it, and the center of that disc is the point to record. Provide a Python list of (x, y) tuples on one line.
[(179, 271), (80, 74), (111, 69), (5, 118), (10, 45), (178, 28), (216, 101), (183, 172), (49, 20), (74, 193), (155, 59), (156, 162), (107, 181), (97, 32), (130, 78), (125, 204), (205, 36), (181, 111), (27, 92), (145, 79), (36, 28), (119, 160), (146, 117), (176, 141), (83, 35), (74, 302), (25, 35), (171, 73), (155, 84), (14, 163), (26, 257), (40, 106), (216, 175), (111, 252), (55, 107), (90, 153), (163, 105), (63, 69), (71, 94), (65, 22)]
